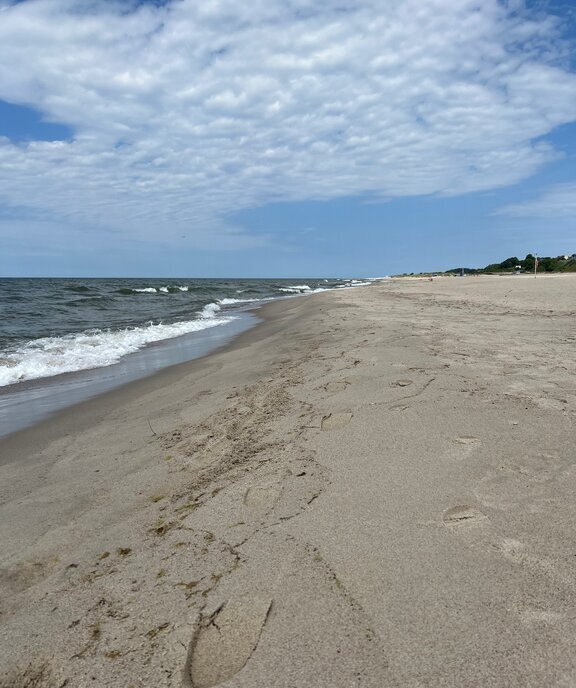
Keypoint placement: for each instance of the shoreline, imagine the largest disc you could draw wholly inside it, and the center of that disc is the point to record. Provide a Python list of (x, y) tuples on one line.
[(82, 412), (42, 398), (147, 332), (77, 387), (370, 484)]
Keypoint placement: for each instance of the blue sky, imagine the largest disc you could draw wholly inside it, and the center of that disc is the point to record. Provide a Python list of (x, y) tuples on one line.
[(284, 137)]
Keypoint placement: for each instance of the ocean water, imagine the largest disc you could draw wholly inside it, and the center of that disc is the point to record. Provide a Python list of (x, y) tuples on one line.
[(54, 326)]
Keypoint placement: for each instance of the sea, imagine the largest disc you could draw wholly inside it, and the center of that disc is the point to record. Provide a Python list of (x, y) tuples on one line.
[(63, 341)]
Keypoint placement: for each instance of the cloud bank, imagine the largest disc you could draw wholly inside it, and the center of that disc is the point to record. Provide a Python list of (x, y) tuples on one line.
[(185, 112)]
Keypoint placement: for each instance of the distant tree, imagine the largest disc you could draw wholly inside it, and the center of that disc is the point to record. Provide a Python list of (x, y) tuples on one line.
[(528, 262), (457, 271), (509, 263), (547, 264)]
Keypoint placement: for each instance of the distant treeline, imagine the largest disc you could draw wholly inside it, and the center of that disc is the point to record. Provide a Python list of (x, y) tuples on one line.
[(513, 264)]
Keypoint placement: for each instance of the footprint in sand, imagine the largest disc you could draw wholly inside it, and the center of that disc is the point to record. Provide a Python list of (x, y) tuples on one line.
[(226, 639), (337, 386), (512, 549), (262, 496), (463, 515), (401, 383), (467, 444), (467, 440), (335, 420)]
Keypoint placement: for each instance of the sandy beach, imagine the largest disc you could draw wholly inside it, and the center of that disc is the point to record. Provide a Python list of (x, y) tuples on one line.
[(374, 487)]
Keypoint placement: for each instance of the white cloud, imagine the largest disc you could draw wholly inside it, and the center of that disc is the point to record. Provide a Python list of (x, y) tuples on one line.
[(555, 202), (188, 112)]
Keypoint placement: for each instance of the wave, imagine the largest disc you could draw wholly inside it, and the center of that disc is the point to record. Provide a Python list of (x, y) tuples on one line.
[(348, 284), (79, 289), (295, 289), (230, 302), (303, 289), (209, 311), (90, 349), (100, 302), (167, 289)]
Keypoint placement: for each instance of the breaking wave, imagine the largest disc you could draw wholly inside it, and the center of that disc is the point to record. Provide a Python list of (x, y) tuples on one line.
[(49, 356)]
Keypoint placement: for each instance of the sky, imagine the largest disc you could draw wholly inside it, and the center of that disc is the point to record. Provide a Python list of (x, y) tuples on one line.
[(284, 137)]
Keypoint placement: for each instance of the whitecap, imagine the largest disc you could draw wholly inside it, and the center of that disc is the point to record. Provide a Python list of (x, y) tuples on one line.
[(295, 289), (91, 349), (230, 302), (209, 310)]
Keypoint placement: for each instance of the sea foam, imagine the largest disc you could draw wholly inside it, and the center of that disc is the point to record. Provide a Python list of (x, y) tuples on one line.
[(295, 289), (168, 289), (49, 356), (231, 302), (209, 310)]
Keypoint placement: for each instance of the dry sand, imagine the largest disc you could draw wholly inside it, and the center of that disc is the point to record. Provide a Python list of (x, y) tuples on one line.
[(375, 487)]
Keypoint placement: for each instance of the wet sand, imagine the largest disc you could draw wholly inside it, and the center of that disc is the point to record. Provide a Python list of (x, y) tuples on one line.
[(32, 401), (375, 487)]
